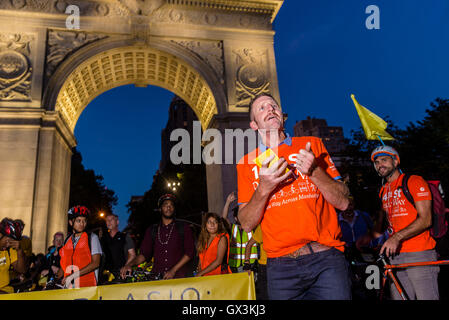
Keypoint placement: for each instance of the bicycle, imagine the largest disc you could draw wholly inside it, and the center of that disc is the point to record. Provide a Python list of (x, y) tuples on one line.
[(138, 274), (388, 272)]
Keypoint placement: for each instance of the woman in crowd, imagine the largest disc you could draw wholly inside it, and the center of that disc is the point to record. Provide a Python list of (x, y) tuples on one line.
[(213, 247)]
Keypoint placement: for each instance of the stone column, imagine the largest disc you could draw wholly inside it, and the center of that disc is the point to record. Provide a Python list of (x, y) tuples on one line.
[(222, 178), (35, 153), (250, 69)]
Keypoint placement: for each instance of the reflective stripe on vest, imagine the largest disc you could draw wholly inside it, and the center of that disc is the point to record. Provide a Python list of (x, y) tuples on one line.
[(238, 246)]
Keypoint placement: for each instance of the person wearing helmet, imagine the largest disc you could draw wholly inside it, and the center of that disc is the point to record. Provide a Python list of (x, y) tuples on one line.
[(170, 242), (81, 253), (11, 253), (409, 238)]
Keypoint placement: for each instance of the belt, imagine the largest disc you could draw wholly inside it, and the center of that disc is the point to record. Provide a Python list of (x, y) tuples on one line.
[(311, 247)]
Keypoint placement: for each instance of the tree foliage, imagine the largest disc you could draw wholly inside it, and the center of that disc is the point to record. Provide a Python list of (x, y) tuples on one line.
[(423, 148), (88, 189), (191, 197)]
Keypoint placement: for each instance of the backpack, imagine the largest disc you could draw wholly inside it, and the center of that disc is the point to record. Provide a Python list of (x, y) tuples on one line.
[(439, 222)]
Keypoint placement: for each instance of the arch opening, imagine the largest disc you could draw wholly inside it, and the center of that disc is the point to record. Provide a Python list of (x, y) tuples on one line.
[(141, 66)]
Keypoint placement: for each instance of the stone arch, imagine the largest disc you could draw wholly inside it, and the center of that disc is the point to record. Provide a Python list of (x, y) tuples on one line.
[(106, 64), (221, 50)]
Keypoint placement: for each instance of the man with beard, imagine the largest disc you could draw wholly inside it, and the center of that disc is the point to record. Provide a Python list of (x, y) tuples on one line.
[(170, 242), (409, 238)]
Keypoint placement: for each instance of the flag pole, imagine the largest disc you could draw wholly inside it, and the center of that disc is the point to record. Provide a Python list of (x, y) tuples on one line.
[(380, 140)]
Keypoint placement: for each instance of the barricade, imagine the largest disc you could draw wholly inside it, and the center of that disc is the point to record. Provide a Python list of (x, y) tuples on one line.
[(235, 286)]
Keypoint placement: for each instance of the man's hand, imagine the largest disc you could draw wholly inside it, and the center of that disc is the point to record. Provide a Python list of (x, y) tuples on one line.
[(391, 246), (124, 271), (170, 274), (67, 281), (10, 243), (271, 176), (306, 161)]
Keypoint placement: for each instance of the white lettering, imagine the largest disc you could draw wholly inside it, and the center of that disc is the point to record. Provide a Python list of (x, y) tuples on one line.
[(372, 21), (373, 280), (73, 20)]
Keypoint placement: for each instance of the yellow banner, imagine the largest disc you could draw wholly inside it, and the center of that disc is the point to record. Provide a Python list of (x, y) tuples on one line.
[(235, 286)]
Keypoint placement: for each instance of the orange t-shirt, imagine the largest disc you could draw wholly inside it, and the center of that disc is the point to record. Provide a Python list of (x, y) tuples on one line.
[(209, 254), (401, 212), (296, 212)]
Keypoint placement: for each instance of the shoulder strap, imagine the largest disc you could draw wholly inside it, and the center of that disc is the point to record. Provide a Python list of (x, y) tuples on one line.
[(67, 239), (153, 231), (153, 234), (89, 241), (405, 190), (180, 227)]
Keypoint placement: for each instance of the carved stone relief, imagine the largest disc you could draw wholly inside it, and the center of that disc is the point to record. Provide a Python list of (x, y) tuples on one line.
[(87, 8), (157, 10), (63, 43), (15, 67), (211, 18), (210, 52), (251, 77), (141, 7)]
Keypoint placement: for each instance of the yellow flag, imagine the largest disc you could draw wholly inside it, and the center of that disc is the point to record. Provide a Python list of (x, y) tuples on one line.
[(373, 125)]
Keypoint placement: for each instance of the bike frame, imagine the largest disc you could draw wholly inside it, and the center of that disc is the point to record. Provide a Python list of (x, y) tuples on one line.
[(388, 272)]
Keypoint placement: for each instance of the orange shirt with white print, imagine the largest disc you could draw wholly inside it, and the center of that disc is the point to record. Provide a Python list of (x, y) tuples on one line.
[(401, 212), (296, 212)]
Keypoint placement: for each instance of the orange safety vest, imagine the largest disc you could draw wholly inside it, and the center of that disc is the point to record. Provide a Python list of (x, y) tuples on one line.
[(208, 255), (80, 256)]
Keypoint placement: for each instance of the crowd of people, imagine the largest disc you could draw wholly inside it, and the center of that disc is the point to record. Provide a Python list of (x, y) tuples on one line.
[(295, 225)]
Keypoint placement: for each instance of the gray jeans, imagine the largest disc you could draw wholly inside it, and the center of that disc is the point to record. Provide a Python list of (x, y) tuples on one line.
[(419, 283)]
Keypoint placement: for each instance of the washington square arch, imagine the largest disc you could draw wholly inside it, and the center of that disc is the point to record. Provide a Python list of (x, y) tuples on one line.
[(214, 54)]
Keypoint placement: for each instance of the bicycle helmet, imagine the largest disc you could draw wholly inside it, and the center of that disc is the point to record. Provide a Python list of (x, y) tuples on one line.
[(78, 211), (167, 196), (385, 151), (10, 228)]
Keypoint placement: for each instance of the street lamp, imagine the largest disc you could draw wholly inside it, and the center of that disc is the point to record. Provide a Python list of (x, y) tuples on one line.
[(173, 185), (101, 214)]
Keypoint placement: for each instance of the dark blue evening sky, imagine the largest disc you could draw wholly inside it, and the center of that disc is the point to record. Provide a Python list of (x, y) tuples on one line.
[(324, 52)]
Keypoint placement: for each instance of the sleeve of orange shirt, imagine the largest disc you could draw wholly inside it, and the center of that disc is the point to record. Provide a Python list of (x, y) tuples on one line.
[(324, 159), (245, 188), (419, 189)]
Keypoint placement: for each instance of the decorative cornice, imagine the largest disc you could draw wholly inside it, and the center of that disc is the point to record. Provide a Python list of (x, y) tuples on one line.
[(269, 7), (125, 8)]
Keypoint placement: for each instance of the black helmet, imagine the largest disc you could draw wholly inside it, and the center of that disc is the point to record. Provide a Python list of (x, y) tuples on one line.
[(78, 211), (167, 196), (10, 228)]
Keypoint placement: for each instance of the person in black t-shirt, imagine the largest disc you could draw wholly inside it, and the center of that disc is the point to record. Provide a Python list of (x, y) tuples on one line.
[(118, 246)]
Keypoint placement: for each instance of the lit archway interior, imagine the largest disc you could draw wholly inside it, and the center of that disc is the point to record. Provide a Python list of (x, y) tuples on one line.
[(134, 65)]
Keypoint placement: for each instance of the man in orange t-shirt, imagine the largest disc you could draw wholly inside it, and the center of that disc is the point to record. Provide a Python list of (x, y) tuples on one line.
[(409, 235), (288, 185)]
